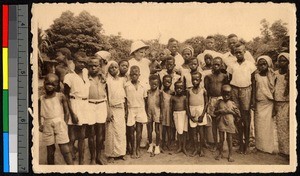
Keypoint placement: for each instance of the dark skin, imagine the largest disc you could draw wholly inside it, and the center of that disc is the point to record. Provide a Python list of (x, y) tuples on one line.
[(213, 84), (198, 130), (123, 68), (50, 84), (138, 127), (244, 124), (154, 85), (178, 102), (222, 110), (74, 129), (167, 81)]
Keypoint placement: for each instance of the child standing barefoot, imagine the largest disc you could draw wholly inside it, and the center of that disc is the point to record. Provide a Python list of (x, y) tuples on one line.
[(54, 110), (135, 108), (226, 112), (179, 106), (165, 111), (154, 113), (281, 96), (197, 101)]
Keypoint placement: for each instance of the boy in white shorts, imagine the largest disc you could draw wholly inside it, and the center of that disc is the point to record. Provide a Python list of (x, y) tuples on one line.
[(98, 109), (197, 101), (135, 109), (178, 104), (53, 108)]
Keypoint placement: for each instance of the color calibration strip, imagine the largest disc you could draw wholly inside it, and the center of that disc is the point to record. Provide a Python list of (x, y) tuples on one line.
[(5, 11)]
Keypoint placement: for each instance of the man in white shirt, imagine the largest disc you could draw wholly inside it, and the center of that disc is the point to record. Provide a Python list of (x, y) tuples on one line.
[(229, 57), (241, 73), (173, 47)]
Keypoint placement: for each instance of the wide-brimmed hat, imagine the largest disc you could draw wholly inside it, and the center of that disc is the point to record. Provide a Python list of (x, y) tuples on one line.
[(137, 45), (105, 55)]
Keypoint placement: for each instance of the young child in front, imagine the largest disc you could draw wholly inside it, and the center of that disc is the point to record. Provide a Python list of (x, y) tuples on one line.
[(179, 105), (213, 84), (154, 113), (53, 108), (197, 105), (166, 94), (227, 112), (76, 89), (136, 105)]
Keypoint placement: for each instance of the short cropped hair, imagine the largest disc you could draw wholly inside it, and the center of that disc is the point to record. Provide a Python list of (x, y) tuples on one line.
[(197, 73), (210, 37), (134, 67), (171, 40), (123, 60), (169, 57), (231, 36), (66, 52)]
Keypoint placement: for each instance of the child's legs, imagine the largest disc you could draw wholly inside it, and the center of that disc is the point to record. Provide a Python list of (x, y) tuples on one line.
[(72, 137), (221, 143), (139, 130), (168, 131), (247, 121), (90, 131), (229, 143), (99, 131), (215, 130), (50, 154), (193, 131), (81, 137), (149, 131), (65, 151), (131, 138), (157, 132), (164, 131), (202, 137)]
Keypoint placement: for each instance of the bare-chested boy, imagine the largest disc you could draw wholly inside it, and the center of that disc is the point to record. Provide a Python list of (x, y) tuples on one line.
[(179, 105), (213, 84)]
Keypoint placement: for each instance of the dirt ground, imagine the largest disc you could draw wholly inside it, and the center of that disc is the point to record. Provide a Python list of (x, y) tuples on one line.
[(170, 158)]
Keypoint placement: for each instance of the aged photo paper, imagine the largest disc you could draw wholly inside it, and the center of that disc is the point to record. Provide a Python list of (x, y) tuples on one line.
[(69, 39)]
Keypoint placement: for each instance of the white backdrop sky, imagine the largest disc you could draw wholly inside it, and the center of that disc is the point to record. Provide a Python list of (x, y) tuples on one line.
[(181, 21)]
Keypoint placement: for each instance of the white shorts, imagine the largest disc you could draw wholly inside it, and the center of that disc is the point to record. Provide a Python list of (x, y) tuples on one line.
[(97, 111), (196, 111), (181, 121), (136, 115), (81, 109)]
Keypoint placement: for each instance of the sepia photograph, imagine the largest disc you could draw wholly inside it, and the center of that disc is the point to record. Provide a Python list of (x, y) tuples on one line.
[(164, 87)]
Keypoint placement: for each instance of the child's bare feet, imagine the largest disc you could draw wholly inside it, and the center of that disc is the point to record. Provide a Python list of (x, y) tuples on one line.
[(133, 156), (152, 154), (184, 151), (178, 150), (98, 161), (247, 151), (201, 153), (230, 159), (92, 162), (219, 157), (138, 154), (110, 160), (194, 153)]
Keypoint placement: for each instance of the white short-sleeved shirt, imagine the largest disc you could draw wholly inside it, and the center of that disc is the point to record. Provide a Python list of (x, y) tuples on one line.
[(116, 91), (213, 53), (178, 61), (143, 64), (135, 96), (79, 87), (229, 58), (241, 73)]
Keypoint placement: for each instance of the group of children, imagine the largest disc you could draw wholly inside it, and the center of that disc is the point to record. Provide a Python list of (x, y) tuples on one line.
[(182, 102)]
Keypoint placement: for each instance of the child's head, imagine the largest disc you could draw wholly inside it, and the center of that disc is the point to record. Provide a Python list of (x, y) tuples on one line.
[(173, 46), (283, 60), (170, 63), (263, 63), (154, 82), (138, 49), (134, 73), (210, 43), (94, 66), (179, 87), (239, 51), (208, 59), (123, 65), (194, 64), (51, 83), (153, 55), (113, 68), (167, 81), (196, 79), (63, 54), (216, 64), (80, 60), (226, 92), (187, 53)]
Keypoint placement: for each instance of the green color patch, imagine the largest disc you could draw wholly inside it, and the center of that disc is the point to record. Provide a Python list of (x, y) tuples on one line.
[(5, 110)]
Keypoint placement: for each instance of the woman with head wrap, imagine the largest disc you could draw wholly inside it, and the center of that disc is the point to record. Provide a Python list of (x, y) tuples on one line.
[(281, 96), (265, 134), (115, 138)]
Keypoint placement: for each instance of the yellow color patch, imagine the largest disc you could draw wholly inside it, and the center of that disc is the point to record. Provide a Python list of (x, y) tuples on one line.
[(5, 68)]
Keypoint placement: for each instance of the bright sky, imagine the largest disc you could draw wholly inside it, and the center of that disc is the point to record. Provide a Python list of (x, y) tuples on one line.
[(181, 21)]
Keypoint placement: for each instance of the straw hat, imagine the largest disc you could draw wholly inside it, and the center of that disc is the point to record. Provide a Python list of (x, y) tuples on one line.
[(137, 45), (105, 55)]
